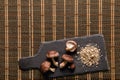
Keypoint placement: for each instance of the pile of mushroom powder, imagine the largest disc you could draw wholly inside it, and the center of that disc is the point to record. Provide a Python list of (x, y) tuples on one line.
[(90, 55)]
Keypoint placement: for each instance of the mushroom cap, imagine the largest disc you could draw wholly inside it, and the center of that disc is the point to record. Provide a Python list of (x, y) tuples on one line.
[(45, 66), (70, 45), (67, 58), (52, 54)]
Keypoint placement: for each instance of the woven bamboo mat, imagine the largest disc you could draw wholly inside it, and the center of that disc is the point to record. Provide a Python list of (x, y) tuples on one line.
[(26, 23)]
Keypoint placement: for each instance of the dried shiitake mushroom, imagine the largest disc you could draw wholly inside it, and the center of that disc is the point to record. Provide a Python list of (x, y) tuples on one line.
[(71, 46), (66, 59), (45, 66), (52, 55)]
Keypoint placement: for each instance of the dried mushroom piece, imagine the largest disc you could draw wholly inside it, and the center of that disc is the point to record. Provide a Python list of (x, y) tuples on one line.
[(66, 59), (72, 66), (71, 46), (45, 66), (90, 55), (52, 55)]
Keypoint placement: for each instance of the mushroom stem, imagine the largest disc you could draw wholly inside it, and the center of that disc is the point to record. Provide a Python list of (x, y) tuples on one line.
[(71, 50), (54, 62), (63, 64), (52, 69), (67, 49)]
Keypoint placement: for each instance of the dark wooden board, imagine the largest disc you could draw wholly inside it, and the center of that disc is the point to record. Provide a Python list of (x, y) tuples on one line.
[(59, 45)]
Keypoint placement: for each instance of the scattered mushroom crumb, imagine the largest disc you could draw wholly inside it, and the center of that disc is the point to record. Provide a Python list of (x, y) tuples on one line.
[(78, 52), (90, 55)]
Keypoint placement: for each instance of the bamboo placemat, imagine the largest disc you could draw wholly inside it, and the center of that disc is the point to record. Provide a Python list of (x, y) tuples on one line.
[(26, 23)]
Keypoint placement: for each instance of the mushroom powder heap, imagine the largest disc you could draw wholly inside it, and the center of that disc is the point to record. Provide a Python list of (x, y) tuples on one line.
[(90, 55)]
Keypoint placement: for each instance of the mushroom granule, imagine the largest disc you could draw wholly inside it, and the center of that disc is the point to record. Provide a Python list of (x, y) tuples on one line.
[(90, 55)]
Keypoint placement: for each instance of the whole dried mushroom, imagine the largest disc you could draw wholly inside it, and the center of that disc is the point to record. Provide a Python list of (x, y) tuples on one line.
[(52, 55), (66, 59), (71, 46), (45, 66)]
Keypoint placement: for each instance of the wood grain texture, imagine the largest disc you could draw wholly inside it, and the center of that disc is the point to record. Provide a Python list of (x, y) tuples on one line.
[(19, 34), (112, 41), (6, 42)]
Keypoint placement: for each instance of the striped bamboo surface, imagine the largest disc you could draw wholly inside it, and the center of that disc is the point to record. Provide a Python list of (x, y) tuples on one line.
[(26, 23)]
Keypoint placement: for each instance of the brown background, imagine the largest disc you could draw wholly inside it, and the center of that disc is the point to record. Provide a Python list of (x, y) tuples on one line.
[(26, 23)]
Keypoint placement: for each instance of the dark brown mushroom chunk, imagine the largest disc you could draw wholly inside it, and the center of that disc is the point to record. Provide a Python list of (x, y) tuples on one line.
[(71, 46), (72, 66), (52, 55), (66, 59), (45, 66)]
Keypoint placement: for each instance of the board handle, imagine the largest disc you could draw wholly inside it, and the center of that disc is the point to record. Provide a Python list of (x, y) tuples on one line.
[(27, 63)]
